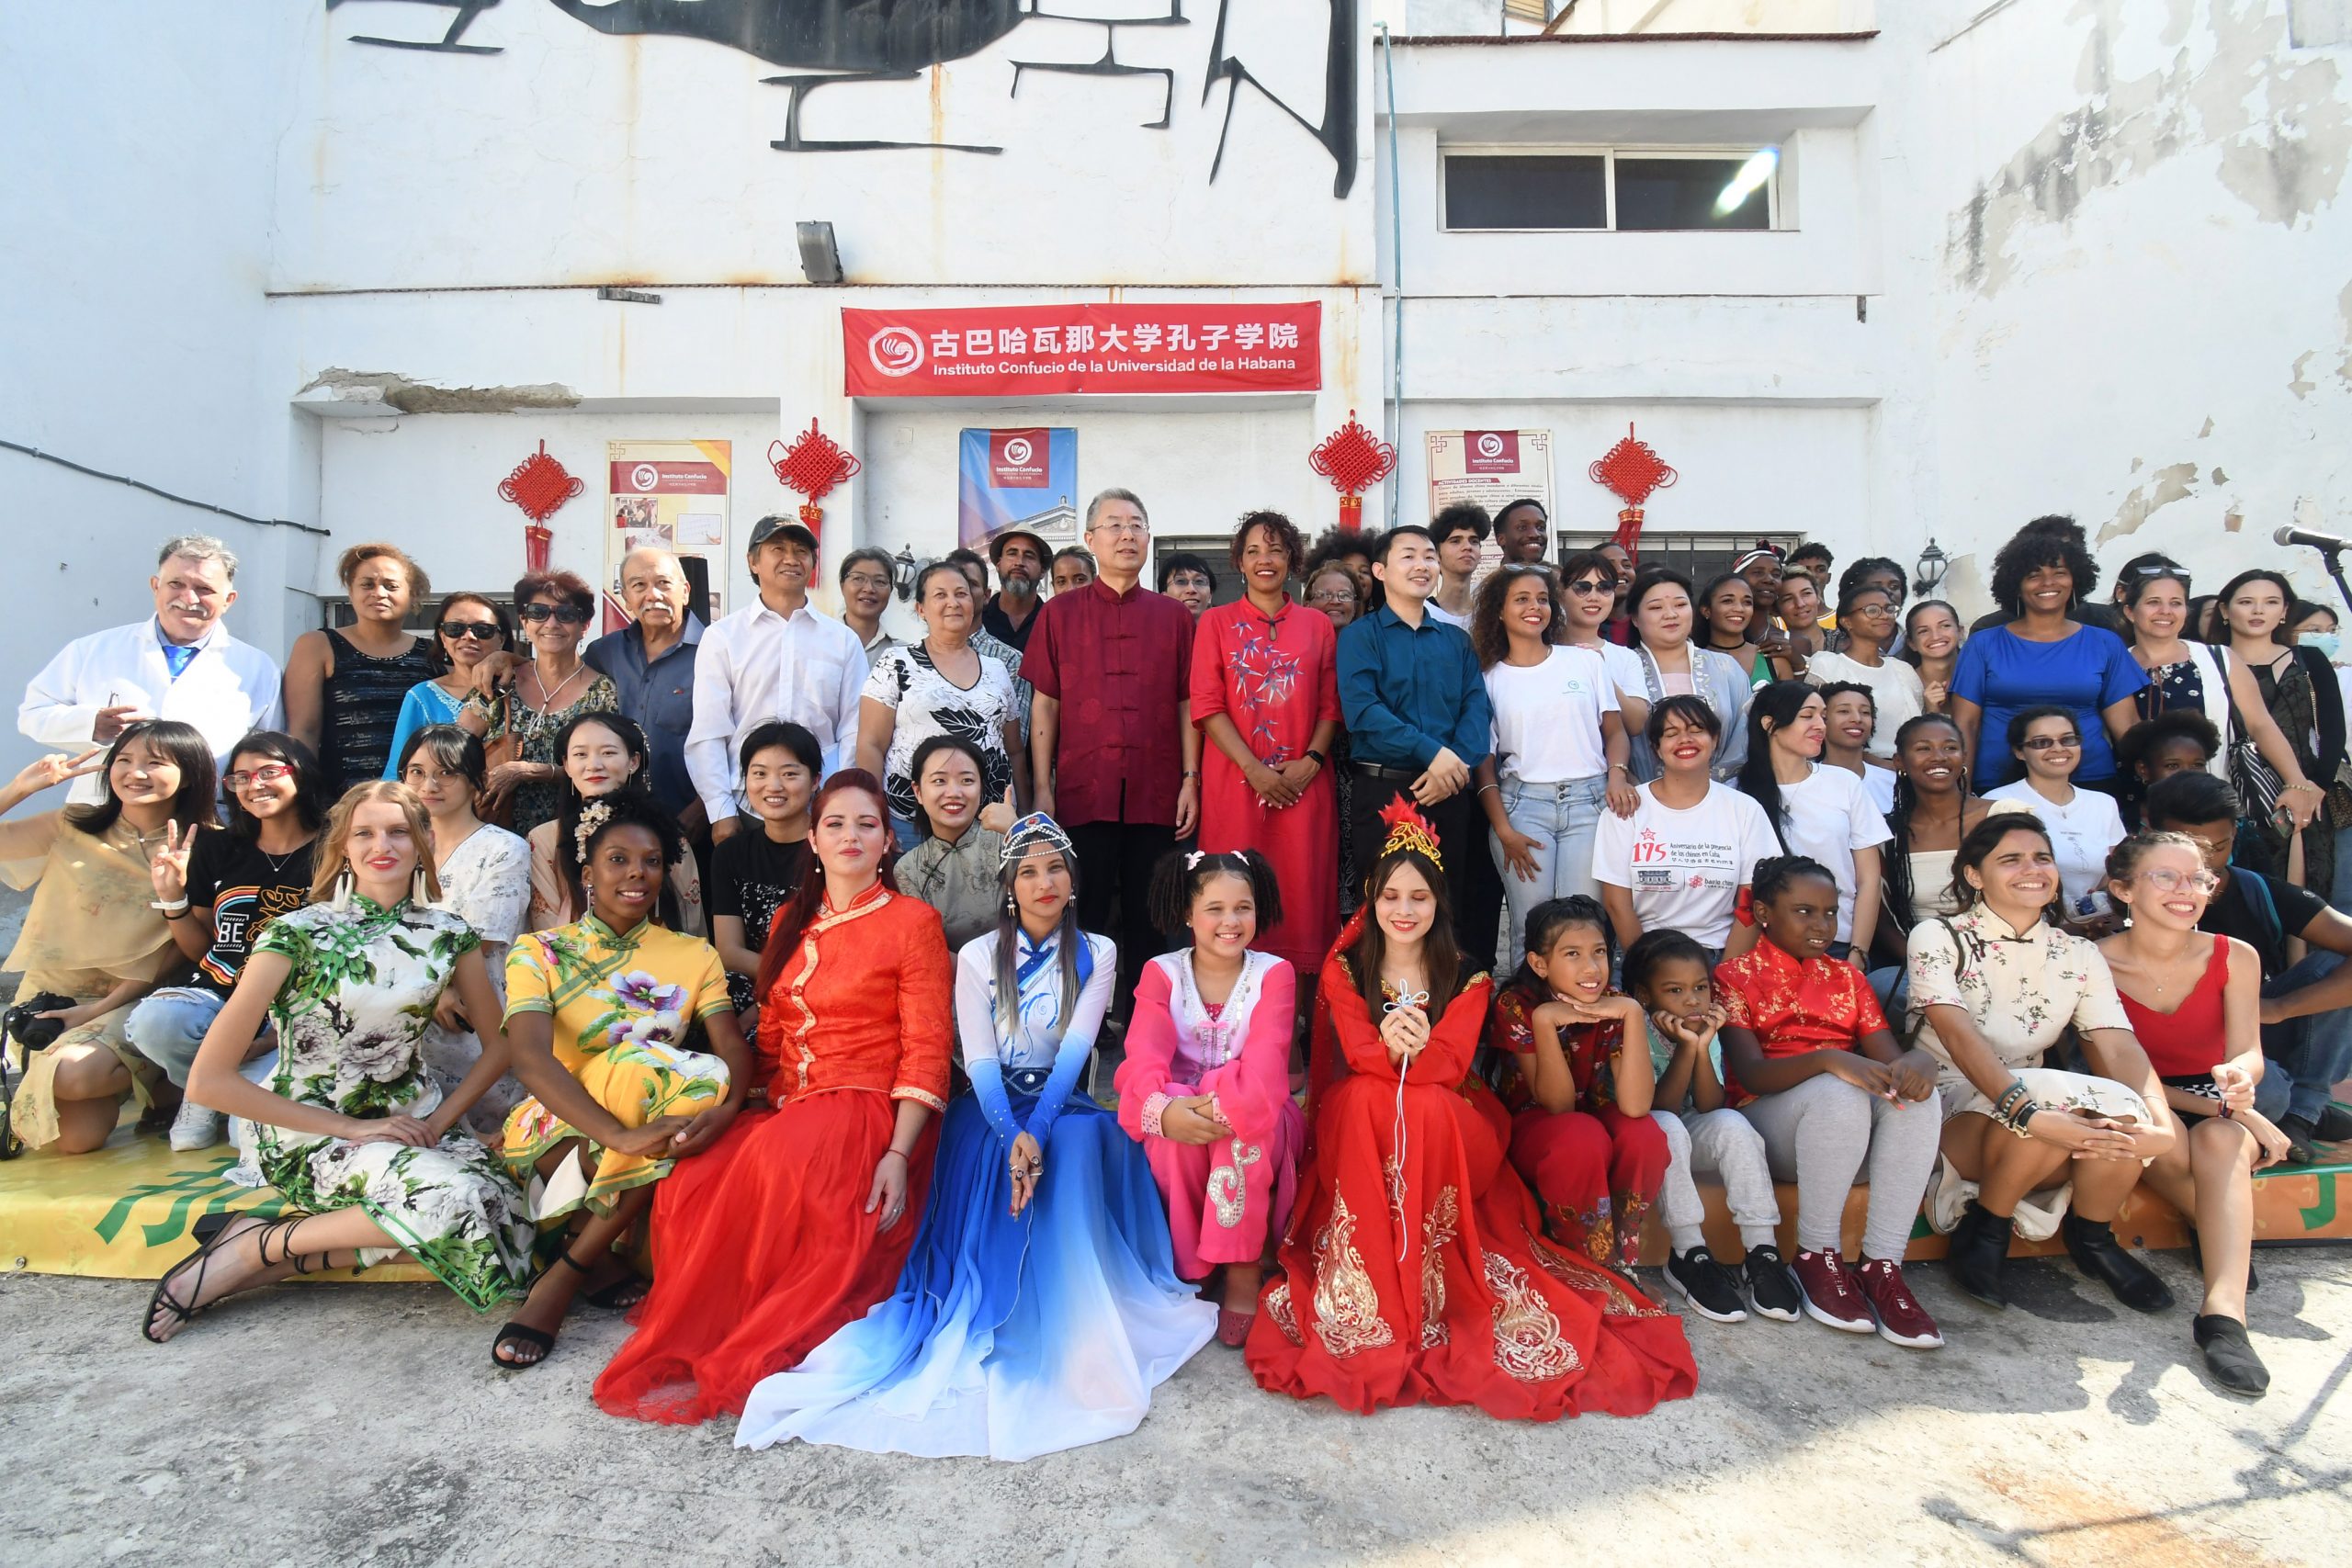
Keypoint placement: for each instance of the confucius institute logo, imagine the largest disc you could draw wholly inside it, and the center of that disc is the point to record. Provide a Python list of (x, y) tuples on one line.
[(895, 351), (1490, 444), (646, 478), (1016, 451)]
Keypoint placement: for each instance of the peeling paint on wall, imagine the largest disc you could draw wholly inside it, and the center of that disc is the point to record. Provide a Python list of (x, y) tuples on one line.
[(2282, 133), (395, 391), (2174, 481), (2302, 384)]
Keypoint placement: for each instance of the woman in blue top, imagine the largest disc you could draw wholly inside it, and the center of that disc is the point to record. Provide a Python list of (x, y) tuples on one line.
[(2044, 656), (469, 630), (1035, 1313)]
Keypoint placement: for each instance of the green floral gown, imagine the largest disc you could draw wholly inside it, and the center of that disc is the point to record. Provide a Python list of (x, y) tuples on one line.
[(351, 1020)]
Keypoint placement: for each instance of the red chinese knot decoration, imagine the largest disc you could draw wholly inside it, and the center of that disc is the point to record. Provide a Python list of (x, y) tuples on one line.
[(1634, 471), (538, 485), (812, 465), (1353, 459)]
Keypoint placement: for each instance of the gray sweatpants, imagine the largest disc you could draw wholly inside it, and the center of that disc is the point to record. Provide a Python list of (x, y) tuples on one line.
[(1819, 1135), (1720, 1143)]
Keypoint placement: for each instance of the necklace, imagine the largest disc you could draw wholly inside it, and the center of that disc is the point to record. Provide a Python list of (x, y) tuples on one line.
[(278, 863), (538, 722)]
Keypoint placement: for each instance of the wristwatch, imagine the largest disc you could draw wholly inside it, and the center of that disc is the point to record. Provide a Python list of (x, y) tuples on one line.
[(1320, 760)]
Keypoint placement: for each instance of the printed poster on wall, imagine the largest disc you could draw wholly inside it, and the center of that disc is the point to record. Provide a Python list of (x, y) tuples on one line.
[(1025, 478), (1025, 350), (670, 495), (1489, 468)]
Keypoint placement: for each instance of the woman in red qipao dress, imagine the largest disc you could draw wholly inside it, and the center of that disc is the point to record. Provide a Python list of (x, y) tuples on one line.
[(800, 1218), (1265, 693), (1415, 1270)]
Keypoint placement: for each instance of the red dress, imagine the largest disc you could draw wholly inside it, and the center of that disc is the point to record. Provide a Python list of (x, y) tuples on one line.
[(762, 1245), (1470, 1305), (1596, 1170), (1276, 678)]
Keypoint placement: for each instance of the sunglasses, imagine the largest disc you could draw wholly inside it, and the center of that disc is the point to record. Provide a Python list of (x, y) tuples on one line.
[(1592, 585), (268, 773), (569, 614), (2051, 742), (481, 631)]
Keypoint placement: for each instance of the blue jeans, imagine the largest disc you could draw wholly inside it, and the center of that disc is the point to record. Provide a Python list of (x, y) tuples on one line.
[(2306, 1056), (168, 1026), (1561, 818)]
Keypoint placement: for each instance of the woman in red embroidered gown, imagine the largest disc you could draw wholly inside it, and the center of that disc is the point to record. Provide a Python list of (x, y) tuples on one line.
[(1265, 693), (799, 1219), (1415, 1271)]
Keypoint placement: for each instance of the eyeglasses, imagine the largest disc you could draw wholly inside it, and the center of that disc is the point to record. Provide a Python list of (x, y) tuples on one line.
[(1592, 585), (569, 614), (867, 580), (267, 773), (2163, 879), (1332, 596), (2052, 742), (480, 631)]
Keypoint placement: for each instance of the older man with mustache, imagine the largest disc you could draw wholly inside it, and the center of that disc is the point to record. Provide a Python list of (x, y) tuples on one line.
[(179, 664)]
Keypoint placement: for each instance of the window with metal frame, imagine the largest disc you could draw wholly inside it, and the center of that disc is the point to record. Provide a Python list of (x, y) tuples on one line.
[(1624, 189), (1698, 557)]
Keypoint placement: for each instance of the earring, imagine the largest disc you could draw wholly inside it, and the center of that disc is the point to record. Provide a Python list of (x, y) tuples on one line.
[(1010, 907), (343, 884), (418, 894)]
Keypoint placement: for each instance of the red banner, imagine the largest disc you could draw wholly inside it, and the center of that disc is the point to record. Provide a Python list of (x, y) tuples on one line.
[(1021, 349)]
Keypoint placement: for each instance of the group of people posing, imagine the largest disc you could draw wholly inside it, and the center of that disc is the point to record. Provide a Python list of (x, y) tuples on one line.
[(790, 968)]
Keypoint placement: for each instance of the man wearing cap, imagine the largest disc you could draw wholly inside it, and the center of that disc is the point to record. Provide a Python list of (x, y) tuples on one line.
[(1020, 560), (778, 659), (1112, 745)]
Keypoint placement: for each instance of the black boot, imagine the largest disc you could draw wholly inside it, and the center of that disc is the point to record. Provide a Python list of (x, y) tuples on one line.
[(2092, 1245), (2229, 1355), (1980, 1254)]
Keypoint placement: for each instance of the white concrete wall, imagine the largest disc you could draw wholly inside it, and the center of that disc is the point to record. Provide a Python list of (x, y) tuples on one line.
[(2141, 309)]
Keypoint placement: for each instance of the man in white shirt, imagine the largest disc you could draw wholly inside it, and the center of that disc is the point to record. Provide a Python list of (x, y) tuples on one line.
[(779, 659), (179, 664), (1461, 533)]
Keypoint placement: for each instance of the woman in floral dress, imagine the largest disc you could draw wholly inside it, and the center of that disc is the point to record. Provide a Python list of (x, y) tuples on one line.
[(599, 1012), (353, 1129)]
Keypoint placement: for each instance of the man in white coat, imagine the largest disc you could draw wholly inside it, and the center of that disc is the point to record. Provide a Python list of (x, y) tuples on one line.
[(178, 663)]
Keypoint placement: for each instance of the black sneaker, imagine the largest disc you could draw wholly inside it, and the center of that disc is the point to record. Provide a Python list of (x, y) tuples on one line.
[(1706, 1284), (2334, 1125), (2300, 1131), (1770, 1290)]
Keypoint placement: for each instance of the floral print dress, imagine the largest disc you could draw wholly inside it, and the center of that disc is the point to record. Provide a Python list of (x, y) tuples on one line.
[(927, 704), (351, 1020), (622, 1006)]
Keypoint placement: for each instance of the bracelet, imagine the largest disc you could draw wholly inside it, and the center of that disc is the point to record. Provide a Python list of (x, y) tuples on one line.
[(1192, 772), (1484, 788), (1320, 760), (887, 1153), (2022, 1115), (169, 911)]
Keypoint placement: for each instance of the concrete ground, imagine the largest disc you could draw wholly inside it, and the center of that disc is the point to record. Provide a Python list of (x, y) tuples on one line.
[(347, 1423)]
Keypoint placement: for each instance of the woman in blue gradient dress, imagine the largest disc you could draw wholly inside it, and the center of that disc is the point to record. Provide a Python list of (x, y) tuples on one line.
[(1034, 1314)]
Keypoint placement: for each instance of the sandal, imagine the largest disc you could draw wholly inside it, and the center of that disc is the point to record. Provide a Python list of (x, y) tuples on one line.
[(620, 1295), (522, 1333), (210, 1231), (1233, 1327)]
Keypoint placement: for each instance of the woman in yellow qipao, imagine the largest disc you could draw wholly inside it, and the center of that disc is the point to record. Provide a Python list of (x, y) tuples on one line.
[(597, 1013)]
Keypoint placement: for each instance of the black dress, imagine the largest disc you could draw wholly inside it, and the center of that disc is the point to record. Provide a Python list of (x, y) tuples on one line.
[(362, 705)]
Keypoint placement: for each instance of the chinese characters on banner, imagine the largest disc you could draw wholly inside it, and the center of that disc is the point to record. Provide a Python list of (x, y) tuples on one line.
[(1019, 350), (668, 495), (1017, 478), (1489, 468)]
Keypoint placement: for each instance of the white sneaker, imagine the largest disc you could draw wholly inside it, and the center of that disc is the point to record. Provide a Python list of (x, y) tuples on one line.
[(196, 1127)]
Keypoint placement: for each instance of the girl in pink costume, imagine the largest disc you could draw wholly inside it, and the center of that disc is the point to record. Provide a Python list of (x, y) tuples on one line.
[(1205, 1086)]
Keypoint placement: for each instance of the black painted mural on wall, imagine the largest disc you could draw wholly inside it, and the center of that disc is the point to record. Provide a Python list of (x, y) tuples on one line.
[(829, 42)]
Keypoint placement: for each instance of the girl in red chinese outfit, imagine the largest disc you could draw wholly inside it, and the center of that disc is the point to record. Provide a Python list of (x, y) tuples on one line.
[(1580, 1129), (1205, 1085), (1809, 1059), (800, 1218), (1414, 1268)]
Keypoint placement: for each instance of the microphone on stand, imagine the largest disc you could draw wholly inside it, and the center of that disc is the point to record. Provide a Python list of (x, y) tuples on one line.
[(2328, 542)]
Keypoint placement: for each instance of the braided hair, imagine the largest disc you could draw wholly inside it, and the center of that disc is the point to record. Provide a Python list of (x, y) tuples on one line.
[(1896, 896)]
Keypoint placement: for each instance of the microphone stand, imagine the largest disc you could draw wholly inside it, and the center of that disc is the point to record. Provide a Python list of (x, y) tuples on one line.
[(2334, 562)]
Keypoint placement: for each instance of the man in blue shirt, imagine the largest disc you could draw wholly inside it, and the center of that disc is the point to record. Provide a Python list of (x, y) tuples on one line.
[(1417, 723), (651, 663)]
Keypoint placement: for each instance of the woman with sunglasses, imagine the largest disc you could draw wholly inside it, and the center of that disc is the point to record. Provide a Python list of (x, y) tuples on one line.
[(1588, 598), (468, 629), (2195, 1002), (2083, 823), (548, 693)]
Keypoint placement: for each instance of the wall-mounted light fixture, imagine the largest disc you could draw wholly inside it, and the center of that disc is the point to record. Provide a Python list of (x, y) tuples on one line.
[(1929, 575), (902, 573), (820, 257)]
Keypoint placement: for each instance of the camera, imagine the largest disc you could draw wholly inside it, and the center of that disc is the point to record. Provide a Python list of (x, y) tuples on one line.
[(24, 1025)]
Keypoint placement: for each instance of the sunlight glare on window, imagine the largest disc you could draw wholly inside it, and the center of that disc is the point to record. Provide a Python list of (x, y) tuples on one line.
[(1752, 174)]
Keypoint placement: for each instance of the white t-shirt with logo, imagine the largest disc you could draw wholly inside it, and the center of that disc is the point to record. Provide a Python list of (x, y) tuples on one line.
[(1547, 716), (1684, 868), (2081, 832), (1829, 817)]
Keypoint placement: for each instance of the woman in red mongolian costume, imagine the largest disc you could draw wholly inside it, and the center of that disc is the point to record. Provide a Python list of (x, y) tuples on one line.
[(1415, 1269), (800, 1218)]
